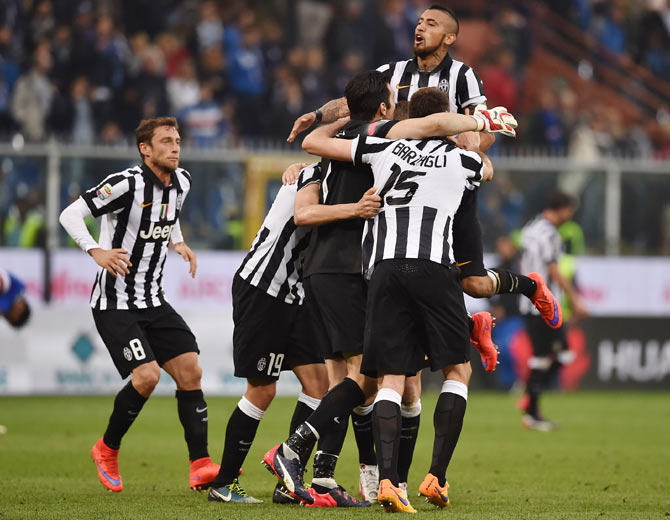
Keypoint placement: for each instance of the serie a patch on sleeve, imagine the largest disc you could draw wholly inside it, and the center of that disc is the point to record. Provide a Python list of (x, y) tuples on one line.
[(105, 191)]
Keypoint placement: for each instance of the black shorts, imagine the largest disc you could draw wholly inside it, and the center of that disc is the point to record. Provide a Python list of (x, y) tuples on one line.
[(545, 340), (467, 230), (138, 336), (337, 307), (415, 309), (270, 335)]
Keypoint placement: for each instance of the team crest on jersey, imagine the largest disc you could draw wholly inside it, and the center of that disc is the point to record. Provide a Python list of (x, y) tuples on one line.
[(262, 363), (443, 85), (127, 354), (104, 192)]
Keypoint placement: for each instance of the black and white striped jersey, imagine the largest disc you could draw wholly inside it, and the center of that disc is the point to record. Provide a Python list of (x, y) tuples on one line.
[(138, 214), (454, 77), (275, 261), (541, 245), (422, 183)]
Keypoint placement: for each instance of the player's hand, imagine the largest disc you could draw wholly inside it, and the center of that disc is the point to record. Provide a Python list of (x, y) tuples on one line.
[(301, 124), (369, 205), (291, 174), (495, 120), (188, 256), (468, 141), (112, 260)]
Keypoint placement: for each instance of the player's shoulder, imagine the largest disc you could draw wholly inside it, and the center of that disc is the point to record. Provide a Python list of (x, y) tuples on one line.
[(183, 176)]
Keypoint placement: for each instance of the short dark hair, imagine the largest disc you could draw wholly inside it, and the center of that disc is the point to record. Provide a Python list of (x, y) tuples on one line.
[(401, 111), (429, 100), (449, 11), (559, 200), (20, 320), (364, 92), (145, 130)]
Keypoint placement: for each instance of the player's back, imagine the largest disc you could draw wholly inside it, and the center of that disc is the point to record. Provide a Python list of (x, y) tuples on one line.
[(421, 185), (335, 247)]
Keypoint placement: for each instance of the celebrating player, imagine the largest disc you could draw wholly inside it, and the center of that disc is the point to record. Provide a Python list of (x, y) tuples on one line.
[(140, 209)]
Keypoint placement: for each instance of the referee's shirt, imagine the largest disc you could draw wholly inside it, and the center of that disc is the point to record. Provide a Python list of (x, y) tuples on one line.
[(541, 245), (451, 76), (138, 214)]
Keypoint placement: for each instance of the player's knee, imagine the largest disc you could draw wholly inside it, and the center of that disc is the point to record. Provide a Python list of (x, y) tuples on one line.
[(478, 286), (261, 393), (412, 391), (145, 378)]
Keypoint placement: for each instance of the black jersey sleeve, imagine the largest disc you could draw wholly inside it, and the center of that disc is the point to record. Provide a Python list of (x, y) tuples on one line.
[(309, 175)]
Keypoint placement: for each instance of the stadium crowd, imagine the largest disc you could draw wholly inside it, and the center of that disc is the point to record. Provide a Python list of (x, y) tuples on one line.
[(87, 71)]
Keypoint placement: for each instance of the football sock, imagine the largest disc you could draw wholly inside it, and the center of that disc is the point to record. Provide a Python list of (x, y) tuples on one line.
[(127, 405), (533, 389), (471, 322), (300, 443), (361, 419), (303, 409), (387, 423), (448, 421), (240, 434), (508, 282), (409, 432), (324, 471), (192, 410)]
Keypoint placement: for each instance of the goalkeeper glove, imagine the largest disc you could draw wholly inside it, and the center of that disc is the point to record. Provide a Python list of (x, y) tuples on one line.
[(495, 120)]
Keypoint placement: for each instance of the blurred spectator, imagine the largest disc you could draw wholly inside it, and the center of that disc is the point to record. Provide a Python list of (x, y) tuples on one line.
[(500, 82), (71, 115), (204, 123), (9, 73), (183, 90), (545, 129), (209, 30), (31, 99)]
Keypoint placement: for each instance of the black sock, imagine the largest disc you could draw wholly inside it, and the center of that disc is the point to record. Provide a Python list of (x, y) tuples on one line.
[(471, 322), (300, 414), (534, 389), (192, 410), (514, 283), (127, 404), (448, 421), (302, 442), (333, 439), (324, 467), (240, 434), (387, 423), (409, 432), (364, 438), (336, 406)]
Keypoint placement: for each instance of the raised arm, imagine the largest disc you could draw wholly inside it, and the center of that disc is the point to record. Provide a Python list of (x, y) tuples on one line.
[(320, 142), (328, 113)]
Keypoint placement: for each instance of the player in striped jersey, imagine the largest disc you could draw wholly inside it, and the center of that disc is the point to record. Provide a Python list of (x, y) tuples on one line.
[(541, 248), (273, 333), (140, 216), (13, 305)]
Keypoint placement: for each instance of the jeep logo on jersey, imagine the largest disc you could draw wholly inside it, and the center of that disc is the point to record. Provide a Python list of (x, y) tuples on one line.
[(157, 231)]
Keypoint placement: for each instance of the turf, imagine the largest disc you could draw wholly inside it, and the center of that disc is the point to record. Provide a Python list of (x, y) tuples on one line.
[(611, 459)]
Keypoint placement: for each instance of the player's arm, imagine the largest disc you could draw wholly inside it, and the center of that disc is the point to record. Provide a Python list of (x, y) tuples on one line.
[(478, 165), (72, 219), (571, 292), (308, 211), (177, 241), (322, 143), (328, 113)]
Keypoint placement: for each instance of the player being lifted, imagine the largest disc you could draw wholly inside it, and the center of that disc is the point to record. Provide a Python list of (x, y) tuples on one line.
[(140, 209)]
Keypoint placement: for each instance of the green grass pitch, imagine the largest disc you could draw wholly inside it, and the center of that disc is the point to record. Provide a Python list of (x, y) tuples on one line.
[(611, 459)]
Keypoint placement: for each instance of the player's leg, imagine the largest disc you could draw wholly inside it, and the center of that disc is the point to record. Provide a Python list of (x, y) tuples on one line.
[(410, 411), (448, 422), (18, 313), (132, 355)]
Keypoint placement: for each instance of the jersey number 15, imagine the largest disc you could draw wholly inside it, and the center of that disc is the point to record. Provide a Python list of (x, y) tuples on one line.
[(399, 180)]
